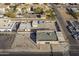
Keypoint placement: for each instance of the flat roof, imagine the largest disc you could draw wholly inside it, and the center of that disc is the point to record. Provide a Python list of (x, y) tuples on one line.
[(46, 36), (24, 25), (47, 25)]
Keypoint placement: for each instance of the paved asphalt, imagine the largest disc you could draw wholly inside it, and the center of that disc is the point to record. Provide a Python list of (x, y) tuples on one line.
[(73, 43), (63, 25)]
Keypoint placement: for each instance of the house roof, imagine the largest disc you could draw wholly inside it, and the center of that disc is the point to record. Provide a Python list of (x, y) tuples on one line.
[(46, 36)]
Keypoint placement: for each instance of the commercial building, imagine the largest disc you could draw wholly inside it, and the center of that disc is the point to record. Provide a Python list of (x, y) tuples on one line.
[(47, 34), (24, 27), (40, 24), (46, 37)]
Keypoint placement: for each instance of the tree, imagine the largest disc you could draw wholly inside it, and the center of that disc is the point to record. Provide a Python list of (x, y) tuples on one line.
[(14, 8), (38, 10), (24, 10), (49, 14), (10, 14)]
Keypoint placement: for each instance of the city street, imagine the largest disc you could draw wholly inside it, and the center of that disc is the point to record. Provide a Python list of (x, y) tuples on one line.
[(62, 23), (71, 40)]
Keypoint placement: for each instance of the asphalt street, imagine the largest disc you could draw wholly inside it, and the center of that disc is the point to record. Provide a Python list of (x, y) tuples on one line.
[(73, 43)]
